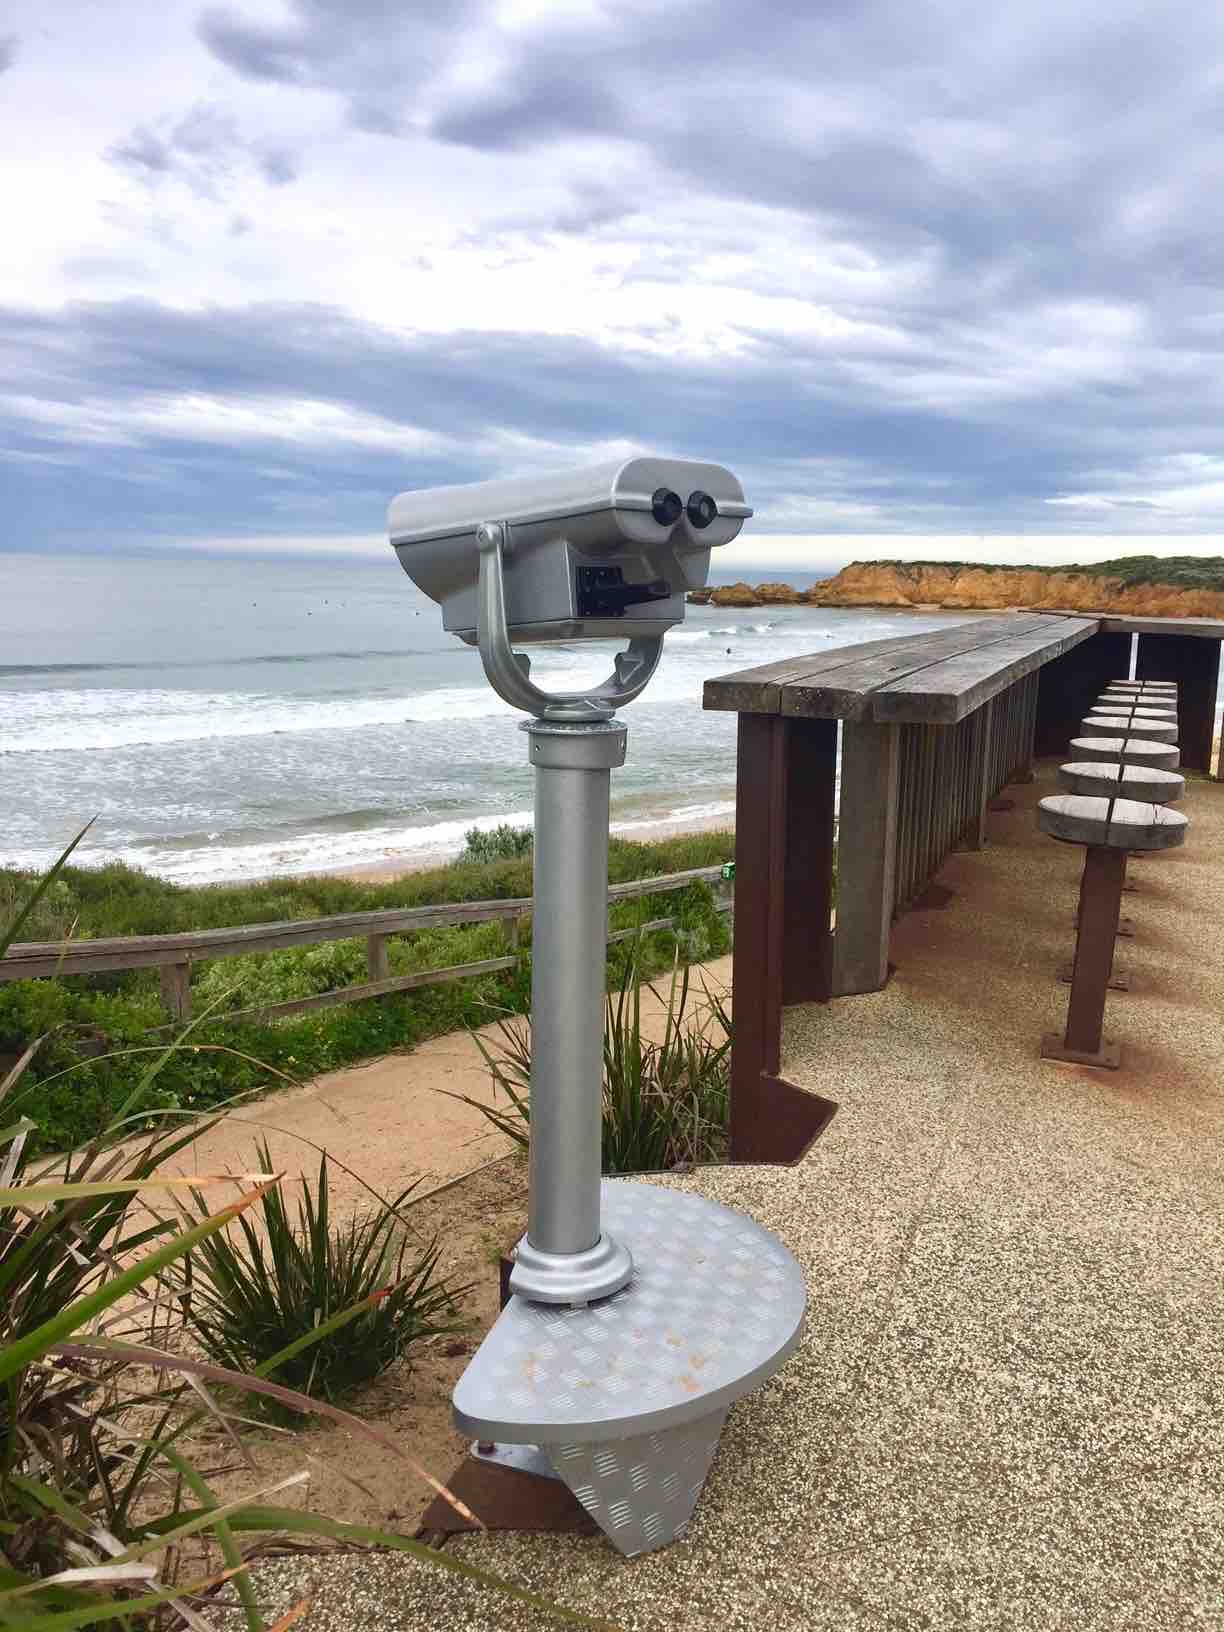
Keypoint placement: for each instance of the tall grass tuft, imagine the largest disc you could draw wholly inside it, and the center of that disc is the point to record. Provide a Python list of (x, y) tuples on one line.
[(252, 1297), (666, 1100)]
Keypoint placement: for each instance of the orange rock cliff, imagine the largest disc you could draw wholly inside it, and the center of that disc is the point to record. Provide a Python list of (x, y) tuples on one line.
[(891, 583)]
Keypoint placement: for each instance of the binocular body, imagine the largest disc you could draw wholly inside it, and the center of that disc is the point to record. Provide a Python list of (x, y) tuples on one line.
[(600, 553)]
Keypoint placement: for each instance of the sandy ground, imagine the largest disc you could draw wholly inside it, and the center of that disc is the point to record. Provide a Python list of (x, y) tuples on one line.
[(393, 1120), (1007, 1409), (389, 1120)]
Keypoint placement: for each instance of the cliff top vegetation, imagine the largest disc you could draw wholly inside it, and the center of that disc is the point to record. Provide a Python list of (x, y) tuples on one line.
[(1177, 571)]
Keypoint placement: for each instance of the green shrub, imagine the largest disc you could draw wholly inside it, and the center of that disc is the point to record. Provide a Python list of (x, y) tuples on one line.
[(500, 843), (251, 1298), (665, 1104)]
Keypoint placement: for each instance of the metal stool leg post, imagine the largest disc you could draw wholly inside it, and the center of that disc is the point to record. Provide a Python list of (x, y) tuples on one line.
[(1100, 908)]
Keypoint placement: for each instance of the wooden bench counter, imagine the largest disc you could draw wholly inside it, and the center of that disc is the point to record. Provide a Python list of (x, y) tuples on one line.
[(931, 727)]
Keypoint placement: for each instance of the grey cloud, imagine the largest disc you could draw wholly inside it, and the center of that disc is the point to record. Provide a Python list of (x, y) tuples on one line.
[(8, 51), (800, 432), (143, 151), (280, 166), (264, 51), (203, 148), (1011, 140), (375, 53), (532, 105)]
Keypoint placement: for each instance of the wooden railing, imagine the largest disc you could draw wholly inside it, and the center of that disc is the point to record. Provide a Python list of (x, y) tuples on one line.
[(173, 955)]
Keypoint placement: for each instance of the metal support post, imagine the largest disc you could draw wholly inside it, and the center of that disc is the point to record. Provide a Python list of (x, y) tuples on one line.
[(564, 1258), (1100, 906)]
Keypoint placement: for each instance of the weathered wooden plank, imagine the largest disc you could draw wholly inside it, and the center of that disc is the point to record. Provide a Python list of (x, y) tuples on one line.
[(759, 690), (1202, 628), (945, 692), (847, 693), (31, 959), (652, 886), (642, 929)]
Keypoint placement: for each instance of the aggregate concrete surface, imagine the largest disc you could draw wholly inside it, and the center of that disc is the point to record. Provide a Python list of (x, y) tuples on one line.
[(1008, 1408)]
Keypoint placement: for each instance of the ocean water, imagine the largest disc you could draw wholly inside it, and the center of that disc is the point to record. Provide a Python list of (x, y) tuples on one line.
[(230, 718)]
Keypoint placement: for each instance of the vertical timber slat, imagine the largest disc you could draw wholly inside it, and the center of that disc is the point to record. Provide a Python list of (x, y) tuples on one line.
[(867, 857), (982, 788), (810, 749)]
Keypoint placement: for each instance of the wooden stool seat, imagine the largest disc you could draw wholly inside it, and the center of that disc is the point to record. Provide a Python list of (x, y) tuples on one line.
[(1110, 779), (1167, 686), (1113, 824), (1114, 725), (1167, 697), (1141, 711), (1130, 750)]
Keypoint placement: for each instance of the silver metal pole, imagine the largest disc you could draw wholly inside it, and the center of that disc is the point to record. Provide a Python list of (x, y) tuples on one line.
[(565, 1258)]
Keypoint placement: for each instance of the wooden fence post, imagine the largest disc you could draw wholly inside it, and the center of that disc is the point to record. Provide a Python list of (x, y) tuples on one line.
[(376, 957), (176, 989), (866, 856)]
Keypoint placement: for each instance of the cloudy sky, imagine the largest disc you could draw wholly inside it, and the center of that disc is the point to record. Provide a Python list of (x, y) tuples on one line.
[(910, 267)]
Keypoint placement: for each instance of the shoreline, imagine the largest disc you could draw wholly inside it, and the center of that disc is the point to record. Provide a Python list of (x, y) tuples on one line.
[(388, 871)]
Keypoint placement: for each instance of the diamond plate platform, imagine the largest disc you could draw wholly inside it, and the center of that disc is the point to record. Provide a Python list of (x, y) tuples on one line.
[(627, 1397)]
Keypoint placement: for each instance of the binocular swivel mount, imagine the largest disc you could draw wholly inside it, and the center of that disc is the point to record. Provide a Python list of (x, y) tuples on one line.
[(509, 672), (638, 1314)]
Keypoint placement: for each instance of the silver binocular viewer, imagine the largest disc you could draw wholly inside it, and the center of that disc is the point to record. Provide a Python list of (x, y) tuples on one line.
[(594, 554)]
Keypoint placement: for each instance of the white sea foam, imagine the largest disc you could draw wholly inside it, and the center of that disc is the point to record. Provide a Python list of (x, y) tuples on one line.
[(322, 852), (95, 719)]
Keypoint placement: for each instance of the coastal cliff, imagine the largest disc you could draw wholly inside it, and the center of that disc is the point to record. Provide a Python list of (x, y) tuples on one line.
[(1141, 586)]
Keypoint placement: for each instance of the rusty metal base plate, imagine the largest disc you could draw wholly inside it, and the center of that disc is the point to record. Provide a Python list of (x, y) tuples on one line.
[(1119, 981), (1126, 926), (1053, 1048)]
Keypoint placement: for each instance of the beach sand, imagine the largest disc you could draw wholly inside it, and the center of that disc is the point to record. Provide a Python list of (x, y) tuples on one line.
[(387, 871)]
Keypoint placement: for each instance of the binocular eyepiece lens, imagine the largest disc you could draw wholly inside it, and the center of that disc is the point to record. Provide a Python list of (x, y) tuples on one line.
[(701, 509), (665, 506)]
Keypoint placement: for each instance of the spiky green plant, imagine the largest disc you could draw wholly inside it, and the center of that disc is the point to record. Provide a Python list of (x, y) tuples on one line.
[(665, 1101), (254, 1290)]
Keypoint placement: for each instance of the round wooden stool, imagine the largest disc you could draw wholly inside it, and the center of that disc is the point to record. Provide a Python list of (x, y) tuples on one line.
[(1111, 779), (1114, 725), (1129, 750), (1109, 829)]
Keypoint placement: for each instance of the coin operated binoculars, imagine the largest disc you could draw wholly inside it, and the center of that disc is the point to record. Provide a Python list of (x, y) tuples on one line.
[(638, 1314)]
